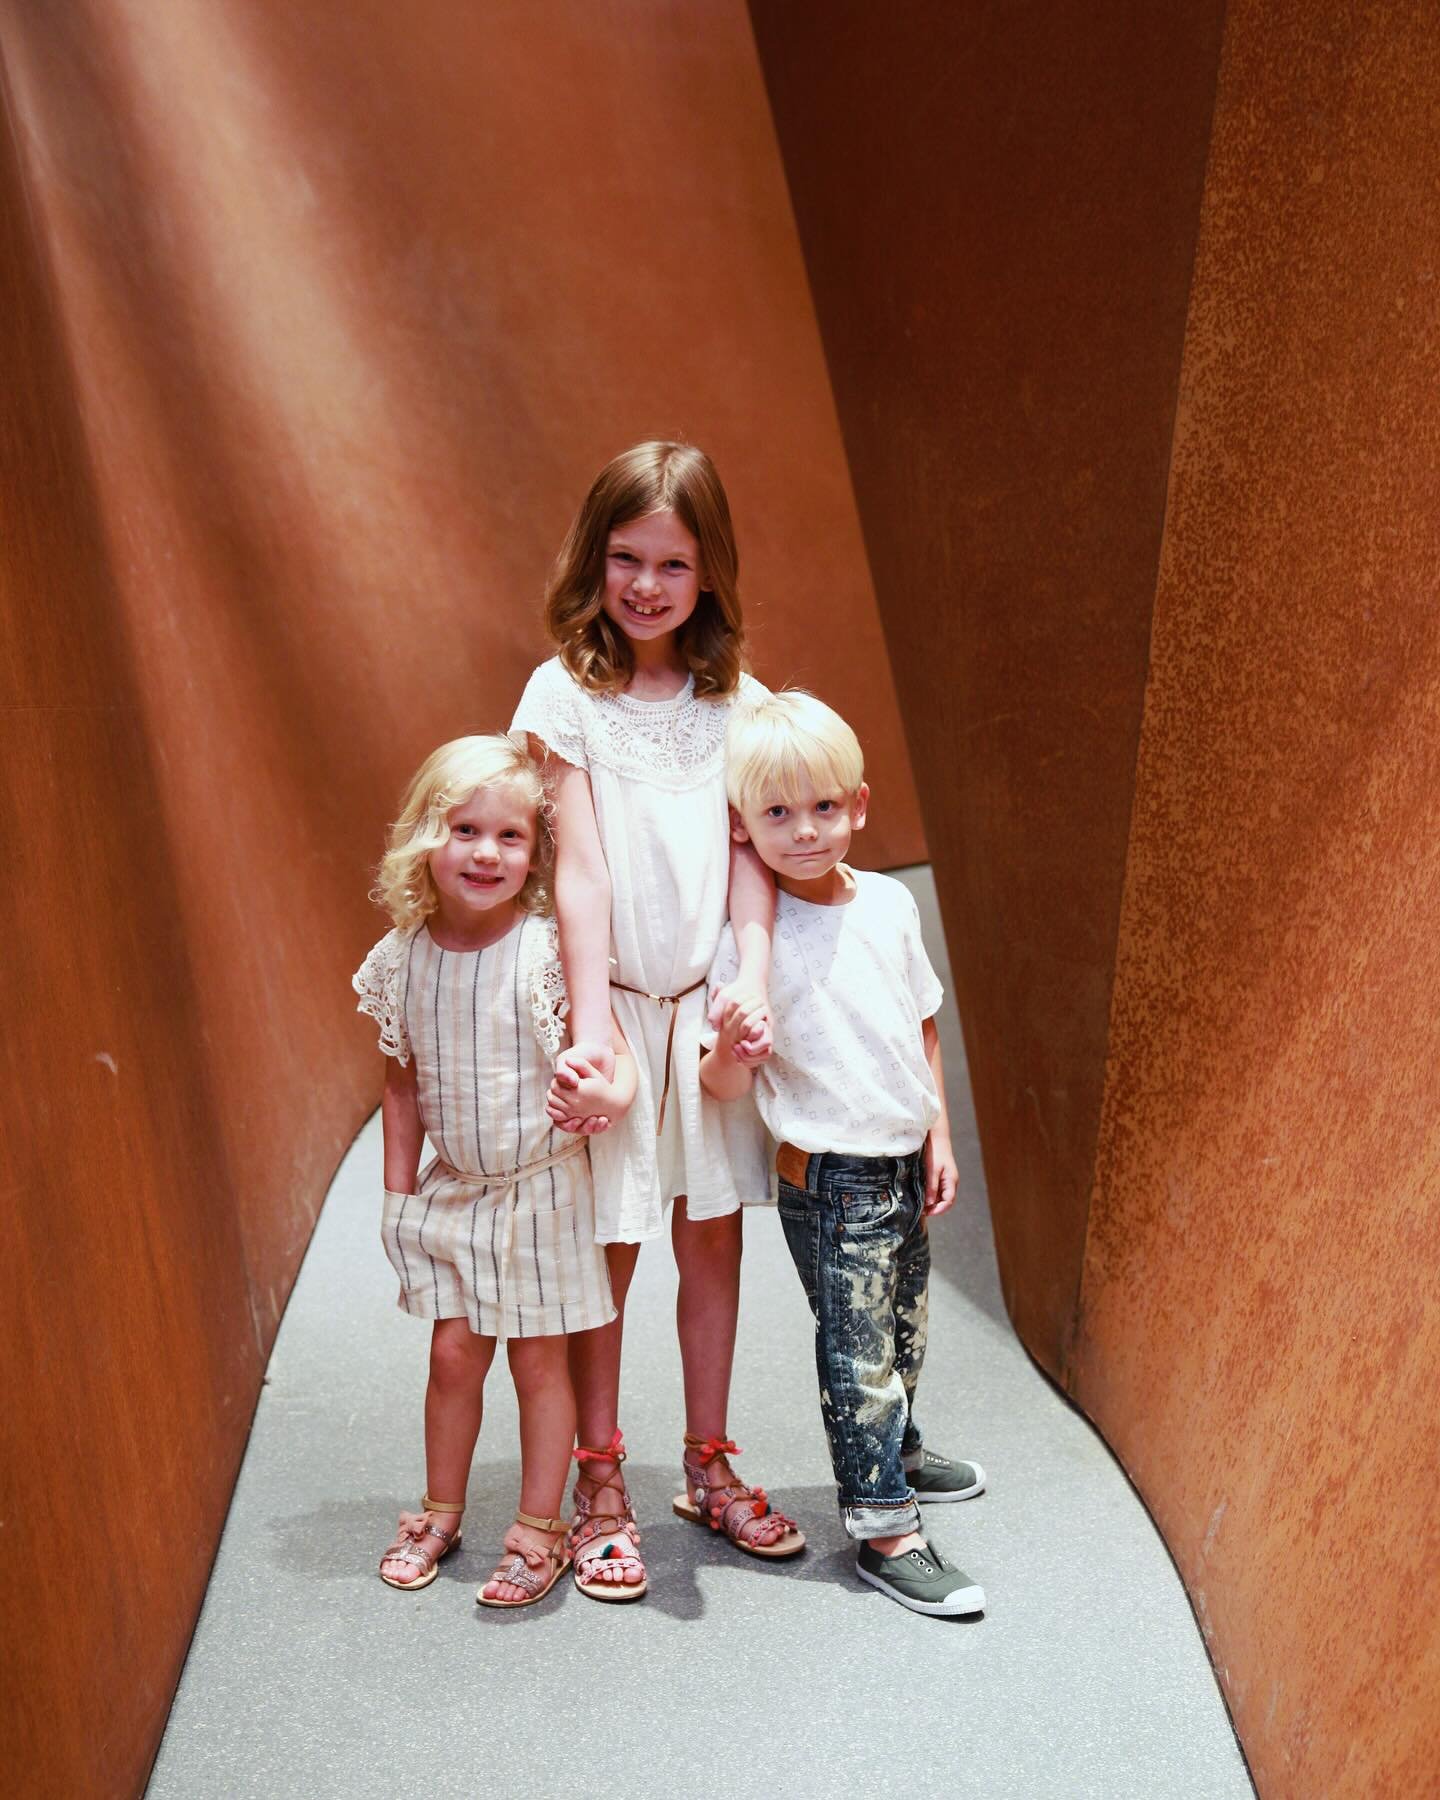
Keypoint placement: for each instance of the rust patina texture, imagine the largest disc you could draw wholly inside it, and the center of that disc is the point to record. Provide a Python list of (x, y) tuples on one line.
[(1227, 1120), (998, 211), (1260, 1327), (318, 323)]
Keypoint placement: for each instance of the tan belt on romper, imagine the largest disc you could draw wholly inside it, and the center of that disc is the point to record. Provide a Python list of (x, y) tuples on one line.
[(673, 1002), (511, 1179)]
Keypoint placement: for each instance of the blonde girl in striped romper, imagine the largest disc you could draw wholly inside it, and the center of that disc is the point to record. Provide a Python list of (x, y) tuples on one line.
[(496, 1238)]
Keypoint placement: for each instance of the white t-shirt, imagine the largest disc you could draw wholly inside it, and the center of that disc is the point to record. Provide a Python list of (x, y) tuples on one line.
[(849, 988)]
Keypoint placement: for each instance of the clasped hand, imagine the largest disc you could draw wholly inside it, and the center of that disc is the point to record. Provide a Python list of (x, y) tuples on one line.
[(583, 1096), (740, 1013)]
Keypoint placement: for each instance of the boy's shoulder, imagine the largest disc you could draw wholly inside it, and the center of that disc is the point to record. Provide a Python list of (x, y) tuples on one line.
[(879, 920), (880, 902)]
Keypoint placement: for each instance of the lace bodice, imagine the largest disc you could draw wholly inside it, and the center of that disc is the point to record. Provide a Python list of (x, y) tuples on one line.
[(382, 978), (676, 744)]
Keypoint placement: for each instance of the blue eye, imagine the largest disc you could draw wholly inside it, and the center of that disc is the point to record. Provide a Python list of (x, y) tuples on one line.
[(774, 812), (825, 806)]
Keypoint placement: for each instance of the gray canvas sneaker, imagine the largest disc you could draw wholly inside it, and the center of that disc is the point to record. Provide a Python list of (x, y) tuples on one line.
[(941, 1478), (922, 1580)]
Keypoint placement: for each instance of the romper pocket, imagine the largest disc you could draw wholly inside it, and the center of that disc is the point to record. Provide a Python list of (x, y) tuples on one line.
[(398, 1213), (546, 1252)]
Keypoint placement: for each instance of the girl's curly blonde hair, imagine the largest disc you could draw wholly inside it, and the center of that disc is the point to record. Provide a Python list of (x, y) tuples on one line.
[(649, 478), (446, 779)]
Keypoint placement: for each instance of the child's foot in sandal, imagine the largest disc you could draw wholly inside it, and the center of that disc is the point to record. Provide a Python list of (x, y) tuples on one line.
[(539, 1557), (715, 1497), (411, 1560), (604, 1539)]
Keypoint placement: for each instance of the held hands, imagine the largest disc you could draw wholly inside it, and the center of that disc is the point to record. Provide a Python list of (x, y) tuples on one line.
[(740, 1013), (584, 1097), (581, 1099), (942, 1177)]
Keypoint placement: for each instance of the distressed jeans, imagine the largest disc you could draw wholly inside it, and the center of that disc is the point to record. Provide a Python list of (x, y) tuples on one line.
[(856, 1230)]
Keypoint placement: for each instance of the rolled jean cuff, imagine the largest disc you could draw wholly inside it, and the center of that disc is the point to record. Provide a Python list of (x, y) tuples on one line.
[(864, 1522)]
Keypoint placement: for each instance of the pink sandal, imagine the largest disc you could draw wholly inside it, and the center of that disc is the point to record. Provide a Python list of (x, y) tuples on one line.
[(597, 1539), (533, 1571), (730, 1507), (409, 1546)]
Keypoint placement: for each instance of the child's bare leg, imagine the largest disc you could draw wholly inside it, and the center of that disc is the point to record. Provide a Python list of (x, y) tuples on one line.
[(454, 1402), (707, 1254), (595, 1372), (540, 1370), (595, 1356)]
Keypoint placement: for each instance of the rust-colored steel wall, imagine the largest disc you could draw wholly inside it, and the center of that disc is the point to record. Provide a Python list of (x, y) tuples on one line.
[(320, 322), (1000, 252), (1213, 1155), (1260, 1326)]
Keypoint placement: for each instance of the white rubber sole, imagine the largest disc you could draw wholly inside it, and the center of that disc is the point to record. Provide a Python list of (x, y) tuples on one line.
[(968, 1493), (964, 1600)]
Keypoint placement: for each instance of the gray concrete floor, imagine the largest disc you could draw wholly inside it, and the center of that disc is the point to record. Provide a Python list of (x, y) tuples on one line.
[(1086, 1677)]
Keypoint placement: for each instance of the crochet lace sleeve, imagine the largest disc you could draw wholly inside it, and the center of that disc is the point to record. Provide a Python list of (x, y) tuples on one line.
[(550, 709), (549, 1002), (379, 983)]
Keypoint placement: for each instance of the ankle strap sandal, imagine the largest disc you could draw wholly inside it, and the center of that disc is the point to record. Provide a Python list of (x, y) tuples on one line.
[(598, 1539), (532, 1570), (730, 1507), (411, 1549)]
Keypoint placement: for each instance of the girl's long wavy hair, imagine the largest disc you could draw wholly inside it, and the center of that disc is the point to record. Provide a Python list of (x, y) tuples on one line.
[(649, 478), (446, 779)]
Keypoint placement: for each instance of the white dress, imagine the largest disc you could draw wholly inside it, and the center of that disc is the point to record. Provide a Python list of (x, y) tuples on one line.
[(657, 775), (500, 1229)]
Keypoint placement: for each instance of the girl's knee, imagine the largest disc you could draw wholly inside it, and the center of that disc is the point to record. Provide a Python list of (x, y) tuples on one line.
[(620, 1260), (459, 1357), (707, 1243), (539, 1363)]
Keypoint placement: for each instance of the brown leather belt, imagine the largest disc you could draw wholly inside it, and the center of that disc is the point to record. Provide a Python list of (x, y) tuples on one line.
[(792, 1164), (673, 1002)]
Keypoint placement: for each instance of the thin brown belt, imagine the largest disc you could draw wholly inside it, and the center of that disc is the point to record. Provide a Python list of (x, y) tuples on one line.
[(673, 1002)]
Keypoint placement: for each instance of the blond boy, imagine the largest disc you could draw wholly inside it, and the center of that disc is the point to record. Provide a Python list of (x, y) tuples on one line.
[(854, 1093)]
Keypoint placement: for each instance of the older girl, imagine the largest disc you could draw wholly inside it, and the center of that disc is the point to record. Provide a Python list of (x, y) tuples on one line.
[(496, 1240), (644, 609)]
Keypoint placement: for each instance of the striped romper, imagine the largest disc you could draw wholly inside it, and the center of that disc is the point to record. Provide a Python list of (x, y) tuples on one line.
[(501, 1227)]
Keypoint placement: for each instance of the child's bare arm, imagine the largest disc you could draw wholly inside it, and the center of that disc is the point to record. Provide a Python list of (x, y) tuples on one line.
[(942, 1176), (400, 1121), (752, 918), (582, 904), (723, 1075)]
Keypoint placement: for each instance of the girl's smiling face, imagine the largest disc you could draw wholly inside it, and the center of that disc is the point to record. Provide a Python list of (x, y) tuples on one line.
[(652, 576), (482, 868)]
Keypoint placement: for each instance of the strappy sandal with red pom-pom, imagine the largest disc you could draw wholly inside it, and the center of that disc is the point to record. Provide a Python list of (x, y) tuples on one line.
[(731, 1507), (603, 1540)]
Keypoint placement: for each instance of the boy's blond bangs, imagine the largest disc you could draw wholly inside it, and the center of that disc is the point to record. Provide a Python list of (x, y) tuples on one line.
[(781, 747), (446, 779)]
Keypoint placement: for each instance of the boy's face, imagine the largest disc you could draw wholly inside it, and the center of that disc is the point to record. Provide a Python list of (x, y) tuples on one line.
[(802, 838)]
